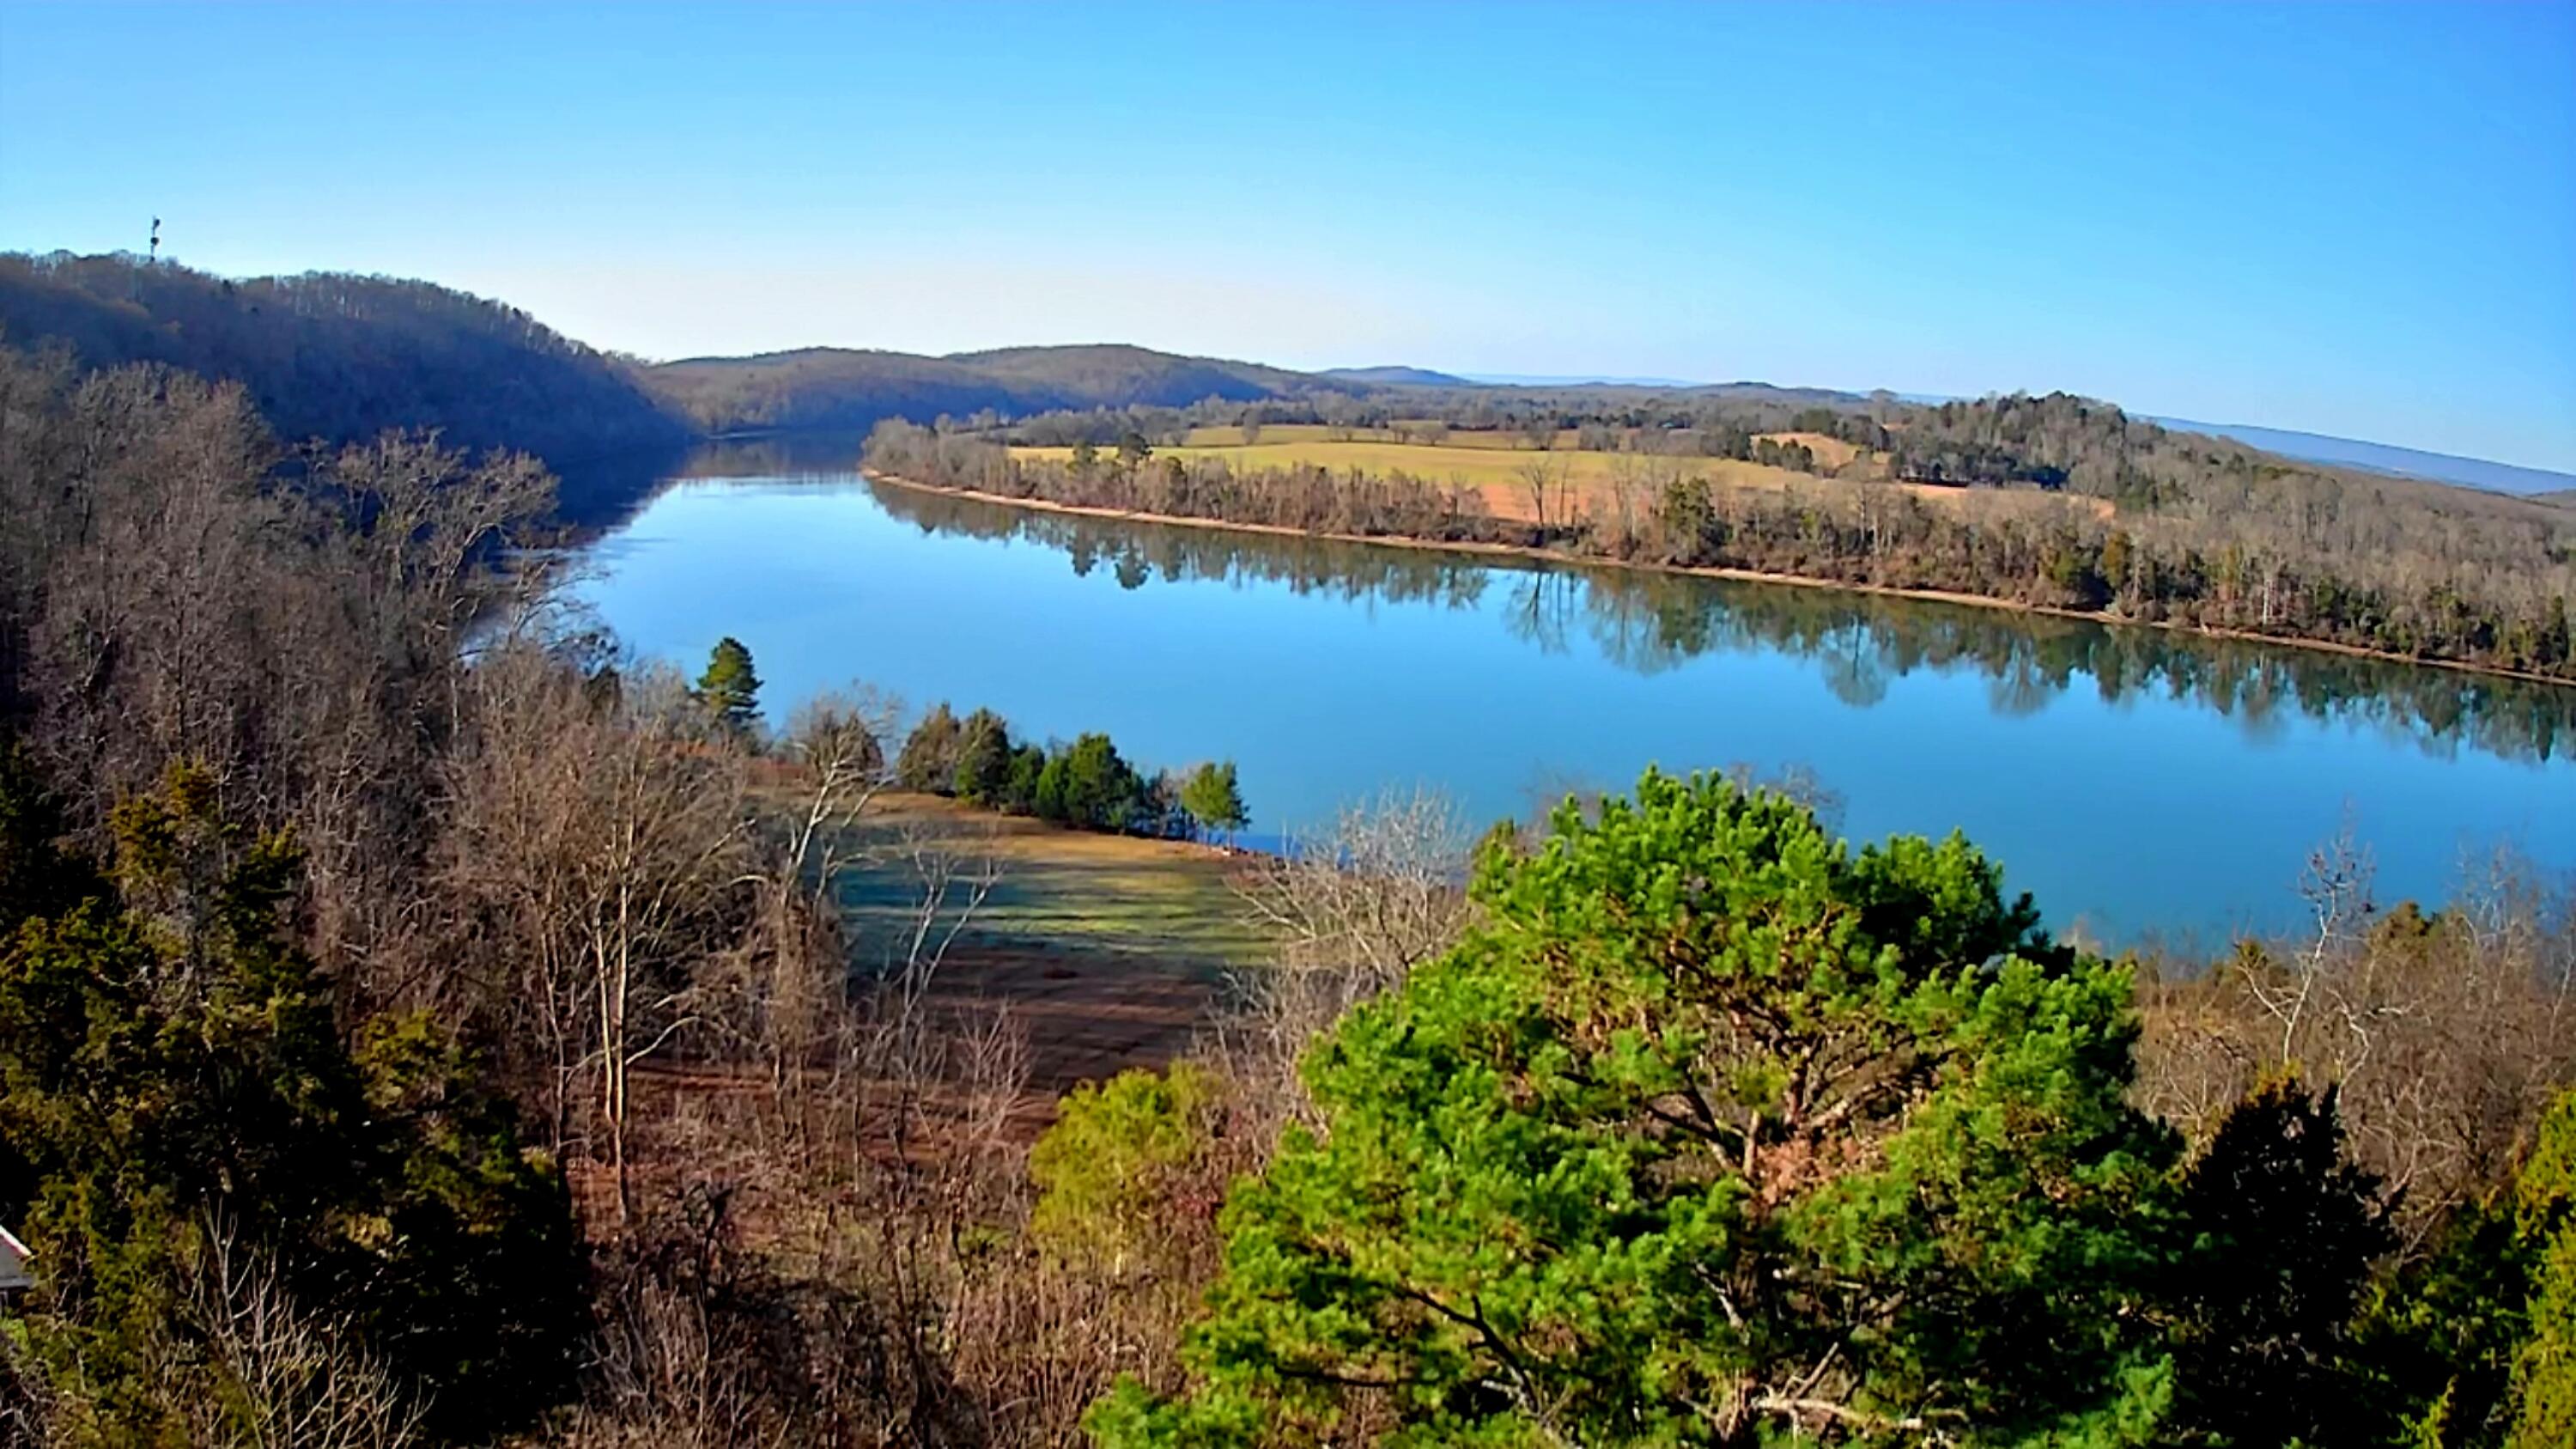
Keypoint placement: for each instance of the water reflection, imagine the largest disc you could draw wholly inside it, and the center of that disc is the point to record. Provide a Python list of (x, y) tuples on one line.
[(1650, 622)]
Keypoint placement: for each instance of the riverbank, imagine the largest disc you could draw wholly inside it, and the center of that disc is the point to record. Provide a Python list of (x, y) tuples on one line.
[(1570, 559)]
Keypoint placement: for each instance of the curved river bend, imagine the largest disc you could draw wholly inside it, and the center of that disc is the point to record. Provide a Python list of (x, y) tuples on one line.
[(2141, 784)]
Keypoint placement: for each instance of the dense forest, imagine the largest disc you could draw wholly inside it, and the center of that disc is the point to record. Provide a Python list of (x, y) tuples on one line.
[(342, 358), (421, 1024), (827, 387), (2076, 508)]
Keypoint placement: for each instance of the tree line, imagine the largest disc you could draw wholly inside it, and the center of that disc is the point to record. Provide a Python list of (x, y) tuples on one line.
[(2409, 570), (1087, 784)]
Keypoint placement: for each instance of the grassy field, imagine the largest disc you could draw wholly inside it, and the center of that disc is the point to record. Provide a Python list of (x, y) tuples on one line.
[(1103, 952), (1832, 452), (1496, 465), (1062, 890), (1097, 954)]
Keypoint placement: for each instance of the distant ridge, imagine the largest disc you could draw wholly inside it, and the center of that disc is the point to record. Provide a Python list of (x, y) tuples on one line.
[(1577, 379), (2385, 458), (837, 387), (1395, 376)]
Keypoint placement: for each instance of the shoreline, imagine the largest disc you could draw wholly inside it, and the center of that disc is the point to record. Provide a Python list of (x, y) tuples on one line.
[(1749, 576)]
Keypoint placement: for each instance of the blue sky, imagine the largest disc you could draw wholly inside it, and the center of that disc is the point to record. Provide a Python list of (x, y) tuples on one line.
[(2350, 220)]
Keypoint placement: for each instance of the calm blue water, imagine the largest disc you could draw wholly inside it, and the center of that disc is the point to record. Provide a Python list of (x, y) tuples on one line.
[(2141, 785)]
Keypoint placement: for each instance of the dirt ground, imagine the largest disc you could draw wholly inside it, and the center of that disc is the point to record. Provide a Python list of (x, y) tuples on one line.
[(1086, 1016), (1108, 952)]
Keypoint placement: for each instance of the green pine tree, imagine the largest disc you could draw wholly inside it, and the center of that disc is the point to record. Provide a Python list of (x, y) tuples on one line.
[(2544, 1369), (1122, 1160), (173, 1084), (1710, 1132), (2284, 1232), (983, 774), (1096, 788), (929, 759), (729, 688), (1213, 798), (1020, 791)]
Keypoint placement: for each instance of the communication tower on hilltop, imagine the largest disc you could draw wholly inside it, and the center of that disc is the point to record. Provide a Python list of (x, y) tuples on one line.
[(156, 239)]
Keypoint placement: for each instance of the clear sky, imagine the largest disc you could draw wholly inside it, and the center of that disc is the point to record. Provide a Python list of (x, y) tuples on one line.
[(2358, 221)]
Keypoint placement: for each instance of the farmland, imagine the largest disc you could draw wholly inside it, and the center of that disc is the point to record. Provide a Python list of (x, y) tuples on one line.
[(1116, 897), (1504, 468), (1507, 469)]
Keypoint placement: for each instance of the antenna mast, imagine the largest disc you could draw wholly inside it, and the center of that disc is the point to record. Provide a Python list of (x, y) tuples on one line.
[(156, 239)]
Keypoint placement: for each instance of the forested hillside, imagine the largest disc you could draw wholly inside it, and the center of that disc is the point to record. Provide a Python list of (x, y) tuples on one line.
[(830, 387), (1395, 374), (341, 358)]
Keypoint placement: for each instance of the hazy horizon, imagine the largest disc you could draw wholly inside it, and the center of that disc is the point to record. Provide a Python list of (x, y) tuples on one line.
[(2351, 222)]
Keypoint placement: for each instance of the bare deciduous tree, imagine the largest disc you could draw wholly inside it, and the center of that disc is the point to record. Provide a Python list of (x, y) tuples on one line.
[(2445, 1034), (602, 847), (290, 1379), (1355, 908), (1543, 478)]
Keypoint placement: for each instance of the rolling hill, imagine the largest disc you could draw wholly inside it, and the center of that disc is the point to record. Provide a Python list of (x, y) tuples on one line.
[(339, 358), (2386, 458), (827, 387), (1395, 376)]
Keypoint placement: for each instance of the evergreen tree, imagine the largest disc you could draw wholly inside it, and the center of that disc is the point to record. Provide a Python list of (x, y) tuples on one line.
[(2544, 1368), (729, 688), (1048, 798), (929, 759), (1710, 1132), (2284, 1231), (1096, 790), (1213, 799), (2440, 1335), (1124, 1158), (2473, 1346), (983, 774), (1020, 792), (173, 1085)]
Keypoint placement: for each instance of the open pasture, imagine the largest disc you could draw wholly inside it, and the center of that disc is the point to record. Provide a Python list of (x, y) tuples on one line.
[(1112, 895), (1590, 479), (1499, 467), (1105, 951)]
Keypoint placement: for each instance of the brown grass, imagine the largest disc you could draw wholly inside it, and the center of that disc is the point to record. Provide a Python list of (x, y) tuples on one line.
[(1831, 452), (1493, 469)]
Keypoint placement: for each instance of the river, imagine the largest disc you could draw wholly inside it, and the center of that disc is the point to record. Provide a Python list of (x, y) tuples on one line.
[(2143, 785)]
